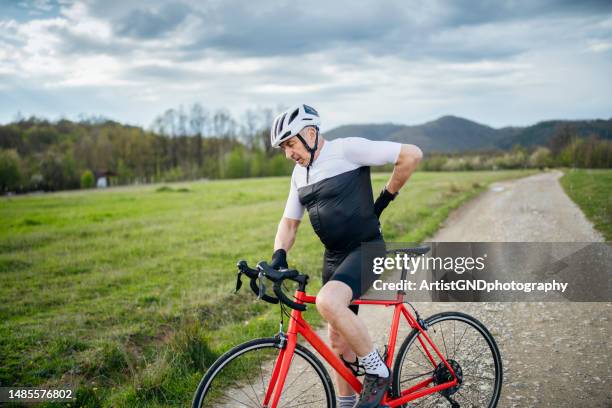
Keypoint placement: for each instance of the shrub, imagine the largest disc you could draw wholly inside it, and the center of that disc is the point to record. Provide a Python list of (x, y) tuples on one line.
[(87, 179)]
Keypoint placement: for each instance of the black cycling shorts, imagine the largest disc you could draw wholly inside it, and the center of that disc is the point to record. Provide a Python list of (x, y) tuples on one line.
[(345, 266)]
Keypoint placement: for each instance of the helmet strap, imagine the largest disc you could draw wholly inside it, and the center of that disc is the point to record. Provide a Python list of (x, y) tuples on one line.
[(311, 150)]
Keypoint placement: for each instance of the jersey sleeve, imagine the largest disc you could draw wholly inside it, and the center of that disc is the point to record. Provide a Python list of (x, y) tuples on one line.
[(370, 153), (293, 209)]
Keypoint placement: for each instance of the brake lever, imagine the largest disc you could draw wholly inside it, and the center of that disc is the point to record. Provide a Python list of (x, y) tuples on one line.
[(262, 286), (238, 281)]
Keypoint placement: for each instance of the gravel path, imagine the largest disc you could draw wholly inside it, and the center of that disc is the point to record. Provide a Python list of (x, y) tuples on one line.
[(554, 354)]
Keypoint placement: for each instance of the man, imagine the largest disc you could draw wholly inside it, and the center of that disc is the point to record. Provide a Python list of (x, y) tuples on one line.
[(332, 180)]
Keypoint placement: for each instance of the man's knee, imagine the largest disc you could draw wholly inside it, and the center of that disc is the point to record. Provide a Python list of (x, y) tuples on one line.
[(333, 297)]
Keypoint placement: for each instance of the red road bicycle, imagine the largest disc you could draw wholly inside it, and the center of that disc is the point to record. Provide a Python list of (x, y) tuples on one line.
[(448, 359)]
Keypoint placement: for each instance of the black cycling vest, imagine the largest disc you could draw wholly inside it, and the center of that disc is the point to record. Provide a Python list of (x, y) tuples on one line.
[(341, 209)]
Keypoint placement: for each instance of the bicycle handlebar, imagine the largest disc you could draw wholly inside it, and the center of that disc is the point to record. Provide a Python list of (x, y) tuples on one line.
[(276, 276)]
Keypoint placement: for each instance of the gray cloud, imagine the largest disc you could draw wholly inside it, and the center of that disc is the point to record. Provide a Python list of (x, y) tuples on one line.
[(377, 28), (154, 71), (73, 44), (500, 62), (147, 24)]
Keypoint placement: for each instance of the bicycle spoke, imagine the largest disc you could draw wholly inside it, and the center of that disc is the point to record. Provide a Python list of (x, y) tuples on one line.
[(307, 402), (454, 344), (303, 392), (459, 393), (478, 376), (444, 341), (425, 357), (240, 402), (461, 339), (417, 376), (263, 386), (250, 384), (295, 379), (419, 364)]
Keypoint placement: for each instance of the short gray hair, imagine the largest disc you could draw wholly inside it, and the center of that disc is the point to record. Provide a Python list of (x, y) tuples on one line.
[(304, 131)]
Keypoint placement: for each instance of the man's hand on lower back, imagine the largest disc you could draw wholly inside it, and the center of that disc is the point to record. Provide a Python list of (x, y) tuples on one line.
[(383, 201)]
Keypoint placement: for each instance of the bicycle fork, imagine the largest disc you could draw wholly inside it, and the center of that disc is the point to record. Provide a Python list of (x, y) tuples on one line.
[(281, 368)]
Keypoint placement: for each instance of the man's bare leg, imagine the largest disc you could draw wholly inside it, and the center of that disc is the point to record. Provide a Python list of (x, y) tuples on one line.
[(342, 349), (332, 303)]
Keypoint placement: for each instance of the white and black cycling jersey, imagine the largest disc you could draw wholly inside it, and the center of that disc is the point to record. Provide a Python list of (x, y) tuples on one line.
[(338, 193)]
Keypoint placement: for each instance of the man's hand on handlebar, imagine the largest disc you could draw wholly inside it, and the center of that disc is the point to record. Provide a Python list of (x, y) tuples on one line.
[(265, 271), (279, 259)]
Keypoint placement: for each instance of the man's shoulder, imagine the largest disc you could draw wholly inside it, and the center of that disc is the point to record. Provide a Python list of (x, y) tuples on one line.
[(297, 170)]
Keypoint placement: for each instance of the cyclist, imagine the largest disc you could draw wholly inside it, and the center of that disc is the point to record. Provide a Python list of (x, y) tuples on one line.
[(331, 180)]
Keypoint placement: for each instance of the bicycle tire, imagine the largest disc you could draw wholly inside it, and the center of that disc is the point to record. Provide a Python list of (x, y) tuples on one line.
[(433, 323), (203, 396)]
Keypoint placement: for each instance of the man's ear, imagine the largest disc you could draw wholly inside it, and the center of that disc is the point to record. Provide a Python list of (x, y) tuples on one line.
[(312, 133)]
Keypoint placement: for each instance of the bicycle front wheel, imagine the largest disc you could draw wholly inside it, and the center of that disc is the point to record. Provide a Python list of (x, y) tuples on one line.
[(467, 346), (240, 378)]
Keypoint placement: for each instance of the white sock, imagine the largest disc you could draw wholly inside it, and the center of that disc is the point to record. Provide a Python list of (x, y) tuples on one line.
[(347, 402), (374, 365)]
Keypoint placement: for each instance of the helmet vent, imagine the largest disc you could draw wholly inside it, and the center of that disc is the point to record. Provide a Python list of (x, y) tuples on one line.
[(310, 110), (293, 116)]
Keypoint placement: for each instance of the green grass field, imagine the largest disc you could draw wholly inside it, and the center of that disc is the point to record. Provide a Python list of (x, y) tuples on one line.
[(592, 191), (128, 292)]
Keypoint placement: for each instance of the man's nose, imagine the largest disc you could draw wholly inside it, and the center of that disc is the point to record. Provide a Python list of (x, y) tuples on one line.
[(287, 153)]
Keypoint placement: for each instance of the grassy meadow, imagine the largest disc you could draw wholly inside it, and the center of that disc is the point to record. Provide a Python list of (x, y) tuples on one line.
[(128, 292), (591, 189)]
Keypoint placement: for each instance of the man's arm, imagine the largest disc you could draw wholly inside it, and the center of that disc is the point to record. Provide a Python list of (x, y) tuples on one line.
[(285, 237), (407, 161), (285, 234), (409, 158)]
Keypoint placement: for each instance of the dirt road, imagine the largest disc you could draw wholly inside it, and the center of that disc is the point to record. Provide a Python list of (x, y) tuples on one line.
[(554, 354)]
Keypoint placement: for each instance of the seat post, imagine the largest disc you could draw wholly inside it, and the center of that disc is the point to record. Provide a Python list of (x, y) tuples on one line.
[(403, 277)]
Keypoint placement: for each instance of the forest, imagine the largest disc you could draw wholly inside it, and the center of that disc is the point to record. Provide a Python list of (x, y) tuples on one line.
[(189, 143)]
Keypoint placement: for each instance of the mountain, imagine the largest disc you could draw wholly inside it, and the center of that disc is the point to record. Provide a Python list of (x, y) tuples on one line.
[(542, 132), (454, 134)]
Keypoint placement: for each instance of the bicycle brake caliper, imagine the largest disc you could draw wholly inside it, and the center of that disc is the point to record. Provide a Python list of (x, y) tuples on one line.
[(282, 337)]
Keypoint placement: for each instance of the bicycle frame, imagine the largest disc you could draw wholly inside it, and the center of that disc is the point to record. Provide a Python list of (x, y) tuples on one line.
[(299, 326)]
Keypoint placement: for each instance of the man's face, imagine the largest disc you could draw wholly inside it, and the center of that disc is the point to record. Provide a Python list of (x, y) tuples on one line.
[(294, 150)]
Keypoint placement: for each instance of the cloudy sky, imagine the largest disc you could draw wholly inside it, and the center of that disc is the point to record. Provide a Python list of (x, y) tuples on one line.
[(497, 62)]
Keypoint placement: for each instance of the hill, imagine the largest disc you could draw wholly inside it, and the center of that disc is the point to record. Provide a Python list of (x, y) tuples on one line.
[(454, 134)]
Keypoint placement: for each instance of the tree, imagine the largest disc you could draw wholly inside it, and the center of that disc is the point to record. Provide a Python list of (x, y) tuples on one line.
[(237, 165), (10, 175), (197, 121), (541, 158), (563, 136)]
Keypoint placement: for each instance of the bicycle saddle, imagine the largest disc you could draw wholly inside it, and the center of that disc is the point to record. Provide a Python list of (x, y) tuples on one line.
[(421, 250)]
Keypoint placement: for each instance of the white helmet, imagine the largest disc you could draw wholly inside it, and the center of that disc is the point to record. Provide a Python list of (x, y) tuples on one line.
[(290, 122)]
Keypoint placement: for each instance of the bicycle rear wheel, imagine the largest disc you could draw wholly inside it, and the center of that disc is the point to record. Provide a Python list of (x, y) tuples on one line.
[(467, 346), (240, 377)]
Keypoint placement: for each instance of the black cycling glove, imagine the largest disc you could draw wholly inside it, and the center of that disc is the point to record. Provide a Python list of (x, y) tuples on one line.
[(383, 201), (279, 259)]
